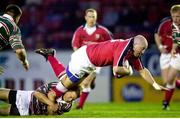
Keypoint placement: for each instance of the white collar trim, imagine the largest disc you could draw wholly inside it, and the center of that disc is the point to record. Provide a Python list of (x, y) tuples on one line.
[(8, 16), (87, 27)]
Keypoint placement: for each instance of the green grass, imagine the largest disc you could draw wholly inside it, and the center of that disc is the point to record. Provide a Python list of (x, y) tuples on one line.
[(120, 110)]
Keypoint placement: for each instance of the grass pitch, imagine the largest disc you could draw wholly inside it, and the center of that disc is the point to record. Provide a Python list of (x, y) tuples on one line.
[(119, 110)]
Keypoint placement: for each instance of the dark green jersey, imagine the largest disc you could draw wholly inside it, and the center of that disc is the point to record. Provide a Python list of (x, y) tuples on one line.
[(176, 34), (10, 33)]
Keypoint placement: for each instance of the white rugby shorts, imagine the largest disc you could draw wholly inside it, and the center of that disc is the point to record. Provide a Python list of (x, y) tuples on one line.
[(23, 99), (175, 62), (165, 60), (80, 64)]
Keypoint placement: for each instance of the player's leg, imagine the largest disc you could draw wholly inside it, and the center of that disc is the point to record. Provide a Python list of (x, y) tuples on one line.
[(9, 96), (164, 65), (4, 94), (76, 71), (5, 110), (56, 65), (172, 73), (164, 75), (171, 86), (178, 81), (86, 88)]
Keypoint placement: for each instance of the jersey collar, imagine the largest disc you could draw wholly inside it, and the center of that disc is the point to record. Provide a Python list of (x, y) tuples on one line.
[(85, 26), (8, 16)]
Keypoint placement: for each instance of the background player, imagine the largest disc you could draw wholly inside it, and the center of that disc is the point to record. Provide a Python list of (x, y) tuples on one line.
[(10, 34), (89, 33), (175, 52)]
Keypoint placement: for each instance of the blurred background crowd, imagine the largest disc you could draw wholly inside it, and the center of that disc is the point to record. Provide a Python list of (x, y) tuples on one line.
[(51, 23)]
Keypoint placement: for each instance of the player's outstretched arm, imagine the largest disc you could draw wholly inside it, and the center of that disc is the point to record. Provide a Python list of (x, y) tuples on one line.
[(21, 54), (146, 75)]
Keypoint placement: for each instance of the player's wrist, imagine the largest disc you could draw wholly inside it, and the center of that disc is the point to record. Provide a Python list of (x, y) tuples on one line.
[(25, 62), (160, 46), (156, 86)]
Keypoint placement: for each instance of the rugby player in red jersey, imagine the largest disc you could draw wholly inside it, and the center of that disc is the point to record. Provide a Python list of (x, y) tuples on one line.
[(116, 53), (174, 67), (89, 33)]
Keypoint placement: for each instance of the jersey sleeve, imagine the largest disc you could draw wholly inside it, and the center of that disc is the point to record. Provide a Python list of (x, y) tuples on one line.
[(162, 28), (15, 39), (76, 41)]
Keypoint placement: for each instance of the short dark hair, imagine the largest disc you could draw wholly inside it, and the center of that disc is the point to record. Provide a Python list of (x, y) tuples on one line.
[(14, 10), (91, 10), (175, 8)]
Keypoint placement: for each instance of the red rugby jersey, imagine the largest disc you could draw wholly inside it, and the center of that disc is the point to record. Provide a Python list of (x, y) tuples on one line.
[(81, 37), (114, 53), (165, 31)]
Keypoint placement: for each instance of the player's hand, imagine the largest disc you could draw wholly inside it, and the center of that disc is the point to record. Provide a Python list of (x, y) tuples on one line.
[(1, 70), (162, 49), (159, 87), (128, 66), (52, 109), (25, 65), (173, 53)]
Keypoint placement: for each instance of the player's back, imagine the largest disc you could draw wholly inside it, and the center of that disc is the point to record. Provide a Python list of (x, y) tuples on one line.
[(7, 28), (108, 52)]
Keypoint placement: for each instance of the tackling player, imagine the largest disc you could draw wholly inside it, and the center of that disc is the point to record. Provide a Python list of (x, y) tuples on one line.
[(36, 102)]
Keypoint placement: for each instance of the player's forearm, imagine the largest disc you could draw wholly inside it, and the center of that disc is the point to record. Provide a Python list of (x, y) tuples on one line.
[(51, 96), (157, 40), (43, 98), (146, 75), (121, 71)]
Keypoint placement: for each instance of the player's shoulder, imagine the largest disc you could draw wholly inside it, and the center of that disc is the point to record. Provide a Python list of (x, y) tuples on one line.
[(166, 20), (104, 29), (101, 27), (80, 28)]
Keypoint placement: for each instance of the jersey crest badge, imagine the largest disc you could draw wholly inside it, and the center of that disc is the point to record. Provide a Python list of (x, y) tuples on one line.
[(97, 36)]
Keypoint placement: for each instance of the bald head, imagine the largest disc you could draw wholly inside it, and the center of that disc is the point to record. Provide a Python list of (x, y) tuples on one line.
[(140, 45)]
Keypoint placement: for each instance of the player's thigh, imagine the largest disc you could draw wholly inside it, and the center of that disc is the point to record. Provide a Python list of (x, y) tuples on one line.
[(164, 74), (88, 80), (4, 94), (172, 75), (79, 64), (175, 62)]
